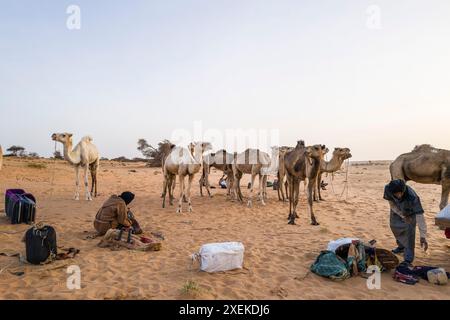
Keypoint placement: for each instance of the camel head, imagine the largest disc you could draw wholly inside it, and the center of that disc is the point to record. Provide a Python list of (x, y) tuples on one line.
[(316, 151), (62, 137), (300, 144), (342, 153), (199, 148)]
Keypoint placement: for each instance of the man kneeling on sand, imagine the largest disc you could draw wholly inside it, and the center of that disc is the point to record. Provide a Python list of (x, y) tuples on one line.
[(114, 214)]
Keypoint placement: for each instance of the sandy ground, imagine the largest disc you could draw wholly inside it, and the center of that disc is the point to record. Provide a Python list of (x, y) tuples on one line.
[(277, 256)]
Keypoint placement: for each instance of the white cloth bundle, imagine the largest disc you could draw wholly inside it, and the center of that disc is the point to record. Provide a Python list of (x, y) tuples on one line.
[(215, 257), (333, 245), (443, 217)]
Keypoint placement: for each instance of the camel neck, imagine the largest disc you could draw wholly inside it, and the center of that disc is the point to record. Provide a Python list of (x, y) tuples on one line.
[(69, 155), (334, 164)]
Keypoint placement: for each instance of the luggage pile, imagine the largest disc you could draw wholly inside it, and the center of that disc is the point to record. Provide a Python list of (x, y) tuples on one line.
[(20, 206), (347, 257)]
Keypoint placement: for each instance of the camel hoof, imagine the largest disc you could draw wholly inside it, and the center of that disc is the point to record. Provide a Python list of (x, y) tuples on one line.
[(291, 222), (178, 210), (249, 204), (315, 223), (190, 209)]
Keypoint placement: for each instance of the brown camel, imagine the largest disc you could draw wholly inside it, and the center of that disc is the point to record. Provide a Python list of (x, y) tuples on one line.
[(221, 160), (255, 163), (335, 164), (302, 163), (427, 165), (281, 174)]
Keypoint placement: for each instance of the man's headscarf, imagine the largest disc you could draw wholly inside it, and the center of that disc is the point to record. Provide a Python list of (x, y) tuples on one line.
[(396, 186), (127, 197)]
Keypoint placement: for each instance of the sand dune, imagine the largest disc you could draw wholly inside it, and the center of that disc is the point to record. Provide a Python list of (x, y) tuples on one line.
[(277, 256)]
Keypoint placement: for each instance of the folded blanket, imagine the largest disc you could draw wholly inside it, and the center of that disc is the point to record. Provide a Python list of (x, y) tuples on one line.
[(116, 240)]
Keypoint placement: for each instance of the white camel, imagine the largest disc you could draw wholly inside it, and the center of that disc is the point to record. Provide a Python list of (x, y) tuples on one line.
[(183, 162), (84, 155)]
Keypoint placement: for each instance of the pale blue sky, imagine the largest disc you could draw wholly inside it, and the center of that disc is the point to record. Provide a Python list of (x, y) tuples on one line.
[(146, 68)]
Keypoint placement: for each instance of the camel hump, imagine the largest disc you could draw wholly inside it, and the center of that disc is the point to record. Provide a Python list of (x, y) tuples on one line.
[(87, 139), (424, 148)]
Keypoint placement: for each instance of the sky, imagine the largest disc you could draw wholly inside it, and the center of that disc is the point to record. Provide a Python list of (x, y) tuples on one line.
[(369, 75)]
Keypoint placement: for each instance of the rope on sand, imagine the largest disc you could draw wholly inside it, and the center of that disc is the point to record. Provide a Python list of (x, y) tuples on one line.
[(346, 184), (52, 180)]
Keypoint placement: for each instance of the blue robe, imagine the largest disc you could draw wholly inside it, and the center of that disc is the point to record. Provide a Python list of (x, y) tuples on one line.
[(405, 232)]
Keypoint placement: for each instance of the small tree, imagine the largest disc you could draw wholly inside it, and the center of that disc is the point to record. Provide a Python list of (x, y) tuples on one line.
[(33, 155), (57, 155), (16, 150), (155, 155)]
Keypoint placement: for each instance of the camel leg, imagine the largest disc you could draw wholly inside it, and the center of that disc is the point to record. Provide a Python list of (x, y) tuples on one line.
[(163, 195), (86, 183), (77, 183), (93, 169), (237, 187), (278, 189), (261, 189), (286, 186), (200, 182), (291, 216), (265, 187), (310, 190), (180, 201), (317, 194), (188, 191), (207, 183), (282, 185), (296, 197), (319, 187), (250, 199), (171, 182)]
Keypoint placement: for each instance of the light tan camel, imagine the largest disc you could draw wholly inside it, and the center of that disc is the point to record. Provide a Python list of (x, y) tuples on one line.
[(281, 173), (85, 155), (302, 163), (335, 164), (183, 162), (221, 160), (427, 165), (255, 163), (166, 148), (1, 158)]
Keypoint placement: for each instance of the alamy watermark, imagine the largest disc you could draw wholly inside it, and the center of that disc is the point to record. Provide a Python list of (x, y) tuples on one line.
[(374, 280), (74, 279), (373, 21), (73, 21)]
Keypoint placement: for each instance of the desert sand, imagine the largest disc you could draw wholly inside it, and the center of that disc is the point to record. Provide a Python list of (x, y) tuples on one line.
[(277, 256)]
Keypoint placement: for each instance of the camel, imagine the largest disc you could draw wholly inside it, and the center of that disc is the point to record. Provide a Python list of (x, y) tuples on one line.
[(221, 160), (1, 158), (427, 165), (166, 148), (85, 155), (335, 164), (281, 173), (183, 162), (255, 163), (302, 163)]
